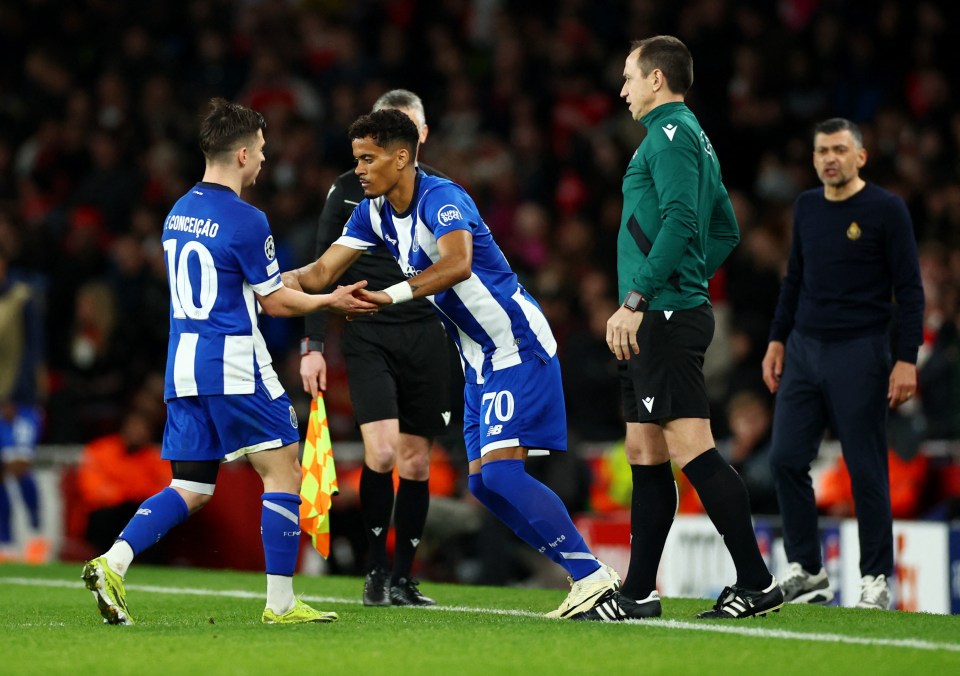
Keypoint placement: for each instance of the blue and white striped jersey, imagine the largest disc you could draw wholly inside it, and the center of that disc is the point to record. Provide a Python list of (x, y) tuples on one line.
[(219, 251), (495, 323)]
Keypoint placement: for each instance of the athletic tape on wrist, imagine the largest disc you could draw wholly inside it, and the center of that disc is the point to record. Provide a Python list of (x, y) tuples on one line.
[(399, 293)]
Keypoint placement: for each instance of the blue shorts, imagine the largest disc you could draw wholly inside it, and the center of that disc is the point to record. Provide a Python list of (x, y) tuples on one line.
[(19, 435), (517, 406), (227, 426)]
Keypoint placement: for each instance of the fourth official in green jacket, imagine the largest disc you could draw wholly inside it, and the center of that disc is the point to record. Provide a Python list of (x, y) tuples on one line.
[(678, 224), (677, 228)]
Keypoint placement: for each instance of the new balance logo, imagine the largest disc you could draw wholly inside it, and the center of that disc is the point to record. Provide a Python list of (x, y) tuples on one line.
[(648, 404), (494, 430), (414, 541), (670, 130), (390, 239), (377, 530), (446, 417), (144, 512)]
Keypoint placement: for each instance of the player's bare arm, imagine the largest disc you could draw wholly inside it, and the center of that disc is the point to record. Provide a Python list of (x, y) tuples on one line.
[(317, 276), (287, 302), (454, 266)]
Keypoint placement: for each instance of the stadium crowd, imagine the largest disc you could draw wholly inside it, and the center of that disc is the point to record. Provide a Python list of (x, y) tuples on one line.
[(99, 104)]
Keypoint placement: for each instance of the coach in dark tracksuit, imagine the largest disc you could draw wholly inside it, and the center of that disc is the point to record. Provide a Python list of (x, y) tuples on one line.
[(829, 357), (399, 372)]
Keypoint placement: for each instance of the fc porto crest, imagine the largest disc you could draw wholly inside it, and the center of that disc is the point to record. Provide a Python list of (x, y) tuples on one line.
[(294, 423), (854, 232)]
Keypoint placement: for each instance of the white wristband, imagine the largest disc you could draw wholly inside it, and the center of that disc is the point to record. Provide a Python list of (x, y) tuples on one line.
[(399, 293)]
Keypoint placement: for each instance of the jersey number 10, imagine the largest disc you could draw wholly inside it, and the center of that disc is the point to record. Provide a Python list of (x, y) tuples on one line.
[(181, 287)]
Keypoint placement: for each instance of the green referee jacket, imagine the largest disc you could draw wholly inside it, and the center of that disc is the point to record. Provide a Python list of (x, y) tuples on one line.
[(678, 224)]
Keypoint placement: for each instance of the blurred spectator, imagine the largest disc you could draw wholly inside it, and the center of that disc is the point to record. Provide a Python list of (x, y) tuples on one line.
[(588, 376), (21, 371), (92, 369), (908, 484), (116, 473), (748, 448)]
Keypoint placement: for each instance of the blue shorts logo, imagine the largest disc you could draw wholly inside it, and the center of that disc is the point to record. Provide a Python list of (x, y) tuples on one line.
[(293, 418)]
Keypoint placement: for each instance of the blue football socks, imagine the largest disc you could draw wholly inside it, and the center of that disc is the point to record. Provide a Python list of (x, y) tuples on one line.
[(507, 513), (156, 516), (280, 531), (543, 513)]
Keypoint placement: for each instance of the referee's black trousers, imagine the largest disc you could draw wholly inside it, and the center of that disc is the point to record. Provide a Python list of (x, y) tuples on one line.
[(842, 384)]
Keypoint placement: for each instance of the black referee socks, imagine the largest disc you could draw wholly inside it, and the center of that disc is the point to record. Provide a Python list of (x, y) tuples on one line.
[(725, 499)]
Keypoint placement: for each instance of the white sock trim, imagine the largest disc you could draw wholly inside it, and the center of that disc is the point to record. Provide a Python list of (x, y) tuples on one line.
[(119, 557), (600, 573), (282, 511), (280, 597), (193, 486)]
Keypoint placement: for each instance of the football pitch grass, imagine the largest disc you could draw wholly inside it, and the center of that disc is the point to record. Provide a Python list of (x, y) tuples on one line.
[(193, 621)]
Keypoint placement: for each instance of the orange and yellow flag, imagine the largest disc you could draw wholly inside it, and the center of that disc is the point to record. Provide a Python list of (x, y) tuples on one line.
[(319, 479)]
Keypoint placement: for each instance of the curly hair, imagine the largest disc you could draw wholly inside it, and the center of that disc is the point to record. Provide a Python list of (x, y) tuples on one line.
[(387, 127)]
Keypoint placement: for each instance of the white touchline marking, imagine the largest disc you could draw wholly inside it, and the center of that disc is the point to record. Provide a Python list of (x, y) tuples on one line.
[(718, 628)]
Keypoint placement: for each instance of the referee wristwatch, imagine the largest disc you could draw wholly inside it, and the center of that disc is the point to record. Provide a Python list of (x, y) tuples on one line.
[(307, 345), (635, 302)]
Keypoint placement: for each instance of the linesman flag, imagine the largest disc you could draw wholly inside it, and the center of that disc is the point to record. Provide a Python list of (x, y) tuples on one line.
[(319, 479)]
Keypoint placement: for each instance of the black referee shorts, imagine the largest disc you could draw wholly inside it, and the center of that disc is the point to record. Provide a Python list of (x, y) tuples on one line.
[(399, 371), (666, 379)]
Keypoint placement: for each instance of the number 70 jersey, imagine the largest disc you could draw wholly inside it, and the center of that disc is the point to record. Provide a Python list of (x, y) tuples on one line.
[(219, 252)]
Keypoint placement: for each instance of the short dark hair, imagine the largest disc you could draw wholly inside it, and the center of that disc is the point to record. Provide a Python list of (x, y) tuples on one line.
[(671, 56), (835, 124), (387, 127), (226, 126)]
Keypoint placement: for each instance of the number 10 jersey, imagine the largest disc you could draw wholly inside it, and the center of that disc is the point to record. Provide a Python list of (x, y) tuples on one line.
[(218, 251)]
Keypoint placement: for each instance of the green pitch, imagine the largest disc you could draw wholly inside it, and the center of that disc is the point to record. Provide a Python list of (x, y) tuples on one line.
[(208, 622)]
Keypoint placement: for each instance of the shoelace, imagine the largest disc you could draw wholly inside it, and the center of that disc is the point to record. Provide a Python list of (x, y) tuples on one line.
[(725, 597)]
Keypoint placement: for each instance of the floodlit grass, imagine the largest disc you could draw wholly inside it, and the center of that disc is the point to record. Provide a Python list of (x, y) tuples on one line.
[(208, 622)]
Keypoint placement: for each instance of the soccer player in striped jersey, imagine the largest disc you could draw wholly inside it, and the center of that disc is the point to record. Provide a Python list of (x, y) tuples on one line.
[(224, 400), (394, 373), (513, 398)]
